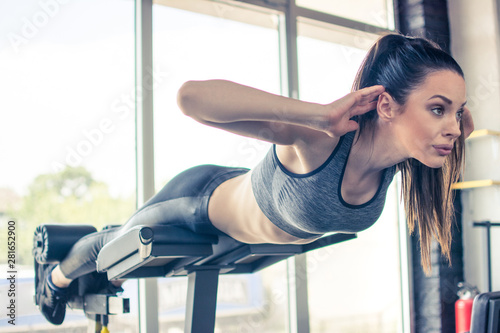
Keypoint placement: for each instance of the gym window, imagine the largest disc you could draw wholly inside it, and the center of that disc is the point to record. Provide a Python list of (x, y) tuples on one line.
[(70, 73)]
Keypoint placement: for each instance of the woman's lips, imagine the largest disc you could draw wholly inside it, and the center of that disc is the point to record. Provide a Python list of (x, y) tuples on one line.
[(443, 150)]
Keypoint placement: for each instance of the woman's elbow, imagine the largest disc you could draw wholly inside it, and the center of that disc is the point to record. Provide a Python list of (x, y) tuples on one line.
[(186, 98)]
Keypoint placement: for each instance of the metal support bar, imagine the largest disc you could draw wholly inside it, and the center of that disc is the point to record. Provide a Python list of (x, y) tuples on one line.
[(201, 300), (298, 294), (297, 267), (144, 100), (95, 325), (488, 225), (291, 51), (406, 262), (148, 289)]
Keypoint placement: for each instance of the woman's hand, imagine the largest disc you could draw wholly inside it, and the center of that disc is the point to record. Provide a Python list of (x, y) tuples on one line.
[(467, 121), (337, 120)]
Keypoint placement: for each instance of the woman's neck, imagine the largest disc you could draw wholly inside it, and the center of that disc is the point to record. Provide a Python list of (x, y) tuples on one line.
[(375, 150)]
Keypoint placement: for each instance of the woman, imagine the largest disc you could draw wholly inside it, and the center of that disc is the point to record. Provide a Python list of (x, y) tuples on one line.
[(329, 167)]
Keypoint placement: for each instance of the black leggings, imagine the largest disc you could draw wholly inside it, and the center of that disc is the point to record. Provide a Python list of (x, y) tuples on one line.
[(182, 202)]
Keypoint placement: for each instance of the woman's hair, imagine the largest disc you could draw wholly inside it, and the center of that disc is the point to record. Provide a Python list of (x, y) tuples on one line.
[(401, 64)]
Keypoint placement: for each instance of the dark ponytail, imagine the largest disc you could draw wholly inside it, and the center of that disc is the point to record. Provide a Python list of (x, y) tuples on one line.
[(401, 64)]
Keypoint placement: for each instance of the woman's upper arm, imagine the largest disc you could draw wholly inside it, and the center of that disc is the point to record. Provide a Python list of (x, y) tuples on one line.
[(248, 111)]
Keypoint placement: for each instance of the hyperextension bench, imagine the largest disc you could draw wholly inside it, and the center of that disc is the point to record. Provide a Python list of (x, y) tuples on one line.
[(165, 251)]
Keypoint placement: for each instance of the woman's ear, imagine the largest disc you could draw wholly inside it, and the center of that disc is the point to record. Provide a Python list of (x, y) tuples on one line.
[(387, 107), (468, 122)]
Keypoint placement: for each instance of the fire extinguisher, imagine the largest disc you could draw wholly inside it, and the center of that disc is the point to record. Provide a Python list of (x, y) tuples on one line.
[(463, 307)]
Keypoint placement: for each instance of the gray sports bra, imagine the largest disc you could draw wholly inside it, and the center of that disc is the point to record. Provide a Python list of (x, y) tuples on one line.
[(309, 205)]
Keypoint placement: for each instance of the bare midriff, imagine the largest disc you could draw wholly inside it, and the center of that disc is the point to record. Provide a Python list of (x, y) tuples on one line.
[(233, 210)]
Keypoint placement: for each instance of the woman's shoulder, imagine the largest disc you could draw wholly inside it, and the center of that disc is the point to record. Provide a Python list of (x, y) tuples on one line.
[(307, 155)]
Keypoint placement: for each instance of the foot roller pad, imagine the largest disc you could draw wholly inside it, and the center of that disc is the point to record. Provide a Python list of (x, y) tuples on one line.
[(51, 242)]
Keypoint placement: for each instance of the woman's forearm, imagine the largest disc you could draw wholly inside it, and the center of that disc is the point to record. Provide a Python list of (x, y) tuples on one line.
[(219, 101)]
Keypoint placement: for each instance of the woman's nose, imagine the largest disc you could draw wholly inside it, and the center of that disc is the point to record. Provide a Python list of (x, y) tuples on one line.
[(453, 127)]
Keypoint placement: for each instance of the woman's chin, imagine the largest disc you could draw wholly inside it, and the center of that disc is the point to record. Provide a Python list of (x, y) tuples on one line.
[(435, 165)]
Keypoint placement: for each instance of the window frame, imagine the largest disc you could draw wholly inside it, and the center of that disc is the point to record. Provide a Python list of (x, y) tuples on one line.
[(291, 14)]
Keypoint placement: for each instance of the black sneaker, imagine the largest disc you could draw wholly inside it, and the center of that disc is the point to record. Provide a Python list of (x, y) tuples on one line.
[(52, 303)]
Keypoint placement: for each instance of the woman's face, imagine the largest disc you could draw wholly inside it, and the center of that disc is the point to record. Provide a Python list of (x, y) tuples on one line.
[(428, 124)]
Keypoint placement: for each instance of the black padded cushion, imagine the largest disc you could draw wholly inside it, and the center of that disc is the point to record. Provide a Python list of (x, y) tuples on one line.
[(52, 242), (481, 312)]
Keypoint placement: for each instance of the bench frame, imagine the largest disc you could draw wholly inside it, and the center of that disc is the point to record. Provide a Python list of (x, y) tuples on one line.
[(164, 251)]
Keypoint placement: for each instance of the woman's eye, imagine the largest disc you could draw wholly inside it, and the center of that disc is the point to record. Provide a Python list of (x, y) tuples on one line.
[(460, 115), (438, 111)]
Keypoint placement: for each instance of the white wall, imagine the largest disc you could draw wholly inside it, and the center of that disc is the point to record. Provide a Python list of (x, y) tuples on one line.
[(475, 44)]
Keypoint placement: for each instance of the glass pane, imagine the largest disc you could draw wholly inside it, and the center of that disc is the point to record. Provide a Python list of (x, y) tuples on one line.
[(67, 140), (375, 12), (196, 40), (329, 58), (192, 46), (346, 297)]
